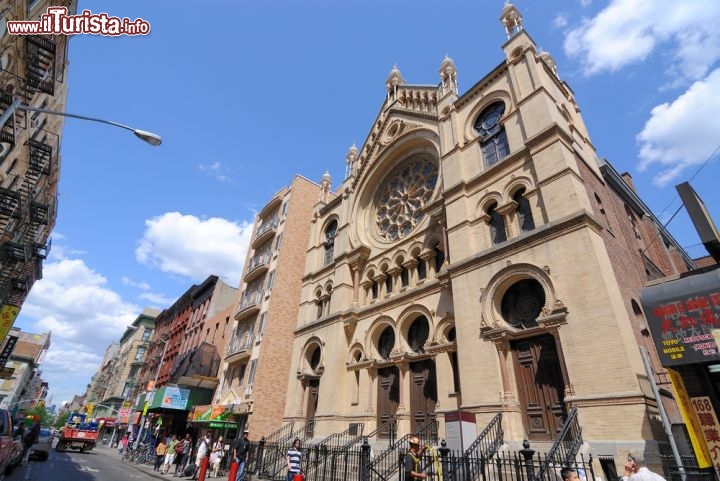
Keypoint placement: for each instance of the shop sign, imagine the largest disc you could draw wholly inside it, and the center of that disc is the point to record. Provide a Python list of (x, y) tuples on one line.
[(221, 424), (684, 318), (175, 398), (214, 412), (691, 420), (710, 427), (8, 314), (7, 350)]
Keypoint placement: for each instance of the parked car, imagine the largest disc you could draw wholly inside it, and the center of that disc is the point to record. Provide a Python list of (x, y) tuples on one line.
[(9, 452), (41, 448)]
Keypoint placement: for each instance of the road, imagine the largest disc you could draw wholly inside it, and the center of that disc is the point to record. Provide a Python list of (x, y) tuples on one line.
[(101, 464)]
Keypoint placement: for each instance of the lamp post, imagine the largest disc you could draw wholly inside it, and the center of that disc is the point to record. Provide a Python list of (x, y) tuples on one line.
[(149, 137), (157, 374)]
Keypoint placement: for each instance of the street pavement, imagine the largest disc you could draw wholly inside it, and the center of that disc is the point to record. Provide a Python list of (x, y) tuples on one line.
[(144, 468)]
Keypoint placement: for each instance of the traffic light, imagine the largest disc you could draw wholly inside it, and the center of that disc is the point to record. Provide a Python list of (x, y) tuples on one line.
[(41, 404)]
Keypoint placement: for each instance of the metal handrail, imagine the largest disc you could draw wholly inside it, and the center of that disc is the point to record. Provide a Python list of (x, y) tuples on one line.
[(427, 434), (566, 445), (489, 440), (330, 446)]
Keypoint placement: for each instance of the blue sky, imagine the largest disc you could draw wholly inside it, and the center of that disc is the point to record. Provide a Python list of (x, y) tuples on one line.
[(248, 94)]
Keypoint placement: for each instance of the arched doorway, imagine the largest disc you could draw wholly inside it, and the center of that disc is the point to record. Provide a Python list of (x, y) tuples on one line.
[(423, 382), (541, 386), (388, 382), (539, 375), (313, 390)]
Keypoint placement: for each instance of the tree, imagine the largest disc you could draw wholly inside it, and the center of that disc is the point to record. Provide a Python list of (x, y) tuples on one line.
[(60, 420), (40, 413)]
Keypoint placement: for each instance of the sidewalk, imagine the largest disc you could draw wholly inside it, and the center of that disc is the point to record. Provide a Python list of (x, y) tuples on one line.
[(144, 468)]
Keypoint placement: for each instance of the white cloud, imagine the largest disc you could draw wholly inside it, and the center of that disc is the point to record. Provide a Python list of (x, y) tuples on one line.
[(682, 133), (195, 248), (585, 3), (83, 314), (158, 300), (559, 21), (143, 286), (628, 31), (216, 169)]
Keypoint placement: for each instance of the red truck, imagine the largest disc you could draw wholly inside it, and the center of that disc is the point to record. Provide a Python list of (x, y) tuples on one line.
[(77, 434)]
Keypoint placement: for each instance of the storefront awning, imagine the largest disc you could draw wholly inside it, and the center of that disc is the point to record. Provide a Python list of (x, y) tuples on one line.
[(107, 422), (213, 412)]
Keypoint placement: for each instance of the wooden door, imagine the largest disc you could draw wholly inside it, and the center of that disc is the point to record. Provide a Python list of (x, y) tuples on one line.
[(388, 397), (423, 393), (312, 399), (541, 386)]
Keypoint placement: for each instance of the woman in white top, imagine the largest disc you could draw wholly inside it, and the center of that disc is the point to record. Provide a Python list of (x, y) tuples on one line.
[(216, 456)]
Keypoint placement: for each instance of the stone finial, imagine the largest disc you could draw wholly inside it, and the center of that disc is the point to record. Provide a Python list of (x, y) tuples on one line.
[(394, 79), (325, 185), (351, 161), (448, 76), (550, 61), (511, 19)]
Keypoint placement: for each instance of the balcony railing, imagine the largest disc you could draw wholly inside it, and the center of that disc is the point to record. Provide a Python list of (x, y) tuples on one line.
[(266, 226), (240, 343), (257, 265), (249, 300)]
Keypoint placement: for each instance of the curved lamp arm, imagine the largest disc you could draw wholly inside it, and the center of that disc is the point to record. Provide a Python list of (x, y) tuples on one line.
[(149, 137)]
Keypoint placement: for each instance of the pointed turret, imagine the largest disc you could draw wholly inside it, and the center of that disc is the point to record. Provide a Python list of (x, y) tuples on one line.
[(351, 161), (394, 79), (511, 19), (448, 77), (325, 185)]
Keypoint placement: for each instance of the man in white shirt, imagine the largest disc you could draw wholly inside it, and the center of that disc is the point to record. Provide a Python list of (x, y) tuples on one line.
[(635, 470)]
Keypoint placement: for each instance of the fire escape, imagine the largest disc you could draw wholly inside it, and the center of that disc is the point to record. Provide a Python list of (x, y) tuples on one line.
[(27, 203)]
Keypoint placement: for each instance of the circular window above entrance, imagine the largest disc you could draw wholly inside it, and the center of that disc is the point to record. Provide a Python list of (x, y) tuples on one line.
[(522, 303), (403, 195)]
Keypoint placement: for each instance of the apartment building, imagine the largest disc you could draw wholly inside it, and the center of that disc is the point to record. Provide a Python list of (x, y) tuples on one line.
[(114, 385), (33, 71), (184, 354), (21, 385), (257, 359)]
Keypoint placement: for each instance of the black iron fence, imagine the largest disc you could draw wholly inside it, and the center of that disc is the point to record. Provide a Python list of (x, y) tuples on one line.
[(442, 464), (692, 471)]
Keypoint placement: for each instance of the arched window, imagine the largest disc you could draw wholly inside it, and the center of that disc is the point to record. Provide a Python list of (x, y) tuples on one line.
[(602, 210), (497, 224), (388, 283), (492, 133), (320, 307), (330, 233), (315, 359), (386, 342), (418, 334), (421, 271), (404, 276), (454, 361), (523, 210), (439, 257)]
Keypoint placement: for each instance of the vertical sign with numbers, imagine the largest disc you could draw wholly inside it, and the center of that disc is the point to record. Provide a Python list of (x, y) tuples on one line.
[(695, 431), (710, 427)]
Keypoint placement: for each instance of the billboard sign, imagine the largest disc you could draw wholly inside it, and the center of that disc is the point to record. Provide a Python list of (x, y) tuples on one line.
[(684, 318)]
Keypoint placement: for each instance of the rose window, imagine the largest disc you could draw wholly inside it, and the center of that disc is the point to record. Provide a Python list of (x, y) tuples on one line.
[(403, 196)]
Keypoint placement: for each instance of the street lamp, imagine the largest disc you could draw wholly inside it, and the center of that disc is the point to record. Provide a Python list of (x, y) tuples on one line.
[(149, 137)]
